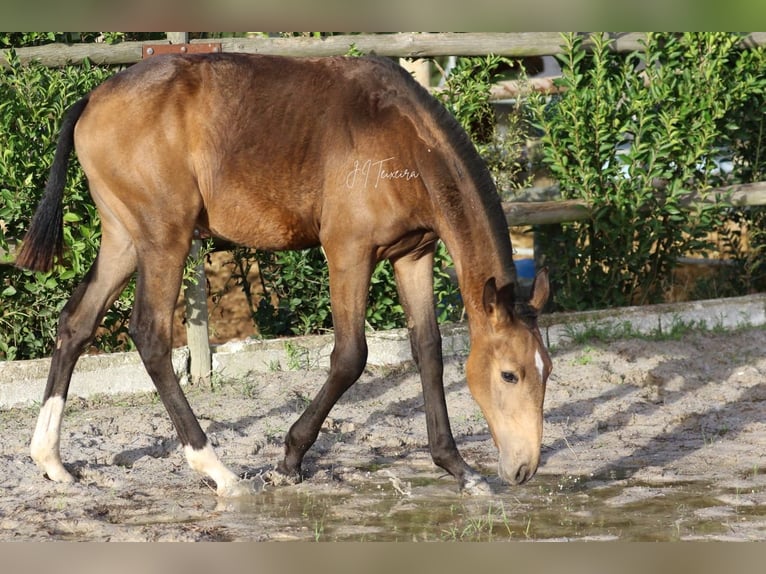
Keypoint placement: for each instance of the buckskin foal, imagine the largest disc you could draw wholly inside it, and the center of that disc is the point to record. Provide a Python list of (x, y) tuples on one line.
[(278, 153)]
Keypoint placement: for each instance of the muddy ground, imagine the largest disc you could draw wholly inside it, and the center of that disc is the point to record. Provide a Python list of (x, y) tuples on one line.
[(643, 440)]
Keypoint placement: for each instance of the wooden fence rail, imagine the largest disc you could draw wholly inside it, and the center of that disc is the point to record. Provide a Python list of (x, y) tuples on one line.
[(520, 213), (402, 45)]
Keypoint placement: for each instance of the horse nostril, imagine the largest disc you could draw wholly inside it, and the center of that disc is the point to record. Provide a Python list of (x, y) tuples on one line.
[(516, 475), (522, 475)]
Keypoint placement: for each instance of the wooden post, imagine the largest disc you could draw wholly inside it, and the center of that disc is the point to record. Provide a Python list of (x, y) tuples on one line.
[(420, 70), (177, 37), (197, 333), (195, 293)]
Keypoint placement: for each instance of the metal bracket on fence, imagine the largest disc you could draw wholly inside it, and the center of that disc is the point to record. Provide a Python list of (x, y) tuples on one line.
[(158, 49)]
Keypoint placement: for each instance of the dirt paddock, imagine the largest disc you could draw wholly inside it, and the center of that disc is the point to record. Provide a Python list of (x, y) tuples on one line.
[(643, 440)]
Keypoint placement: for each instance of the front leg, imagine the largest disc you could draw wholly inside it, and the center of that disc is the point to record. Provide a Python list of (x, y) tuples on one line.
[(350, 272), (414, 278), (440, 439)]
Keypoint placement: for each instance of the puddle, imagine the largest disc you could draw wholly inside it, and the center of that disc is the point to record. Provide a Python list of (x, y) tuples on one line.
[(550, 508)]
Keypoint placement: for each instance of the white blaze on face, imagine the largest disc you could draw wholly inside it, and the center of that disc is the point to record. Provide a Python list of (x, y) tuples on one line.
[(539, 363)]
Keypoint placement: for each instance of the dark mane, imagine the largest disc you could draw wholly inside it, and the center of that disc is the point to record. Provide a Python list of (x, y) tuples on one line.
[(528, 314), (458, 137), (463, 148)]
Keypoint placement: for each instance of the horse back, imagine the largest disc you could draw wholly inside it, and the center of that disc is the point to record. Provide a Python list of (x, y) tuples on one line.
[(259, 148)]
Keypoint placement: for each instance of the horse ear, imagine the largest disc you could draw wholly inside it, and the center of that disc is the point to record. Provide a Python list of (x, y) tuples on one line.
[(498, 302), (490, 296), (540, 290)]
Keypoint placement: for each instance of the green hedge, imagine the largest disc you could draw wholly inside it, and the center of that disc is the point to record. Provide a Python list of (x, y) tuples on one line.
[(636, 134), (32, 101)]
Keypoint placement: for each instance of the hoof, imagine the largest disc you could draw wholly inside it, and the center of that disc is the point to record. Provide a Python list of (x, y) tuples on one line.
[(55, 471), (475, 485), (278, 478), (242, 487)]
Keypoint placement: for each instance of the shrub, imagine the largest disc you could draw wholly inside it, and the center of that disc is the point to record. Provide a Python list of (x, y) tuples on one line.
[(32, 101), (637, 136), (467, 95)]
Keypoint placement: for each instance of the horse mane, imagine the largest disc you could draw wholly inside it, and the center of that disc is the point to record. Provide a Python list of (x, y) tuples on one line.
[(527, 314), (462, 146), (457, 136)]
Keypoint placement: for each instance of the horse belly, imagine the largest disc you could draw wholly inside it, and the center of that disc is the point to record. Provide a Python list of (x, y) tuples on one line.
[(262, 226)]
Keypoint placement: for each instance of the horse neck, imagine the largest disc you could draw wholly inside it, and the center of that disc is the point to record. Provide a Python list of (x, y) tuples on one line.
[(467, 213), (471, 224)]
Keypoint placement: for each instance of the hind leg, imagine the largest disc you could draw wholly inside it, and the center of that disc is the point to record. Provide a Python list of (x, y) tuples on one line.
[(158, 284), (77, 326)]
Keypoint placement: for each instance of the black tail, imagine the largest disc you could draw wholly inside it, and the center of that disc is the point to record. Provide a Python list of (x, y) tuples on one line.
[(45, 236)]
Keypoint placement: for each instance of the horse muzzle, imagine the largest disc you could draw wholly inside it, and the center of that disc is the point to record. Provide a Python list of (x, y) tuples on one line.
[(517, 468)]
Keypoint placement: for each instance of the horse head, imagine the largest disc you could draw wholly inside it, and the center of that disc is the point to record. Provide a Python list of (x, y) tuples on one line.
[(507, 370)]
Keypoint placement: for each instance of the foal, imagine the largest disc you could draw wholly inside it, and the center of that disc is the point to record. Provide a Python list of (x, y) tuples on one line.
[(279, 153)]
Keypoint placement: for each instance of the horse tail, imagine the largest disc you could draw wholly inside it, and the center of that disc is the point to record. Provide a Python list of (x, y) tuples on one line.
[(45, 237)]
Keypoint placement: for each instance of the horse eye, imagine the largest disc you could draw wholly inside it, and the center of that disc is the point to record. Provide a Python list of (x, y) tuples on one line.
[(509, 377)]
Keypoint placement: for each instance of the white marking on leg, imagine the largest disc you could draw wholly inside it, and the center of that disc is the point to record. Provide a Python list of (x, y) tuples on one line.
[(539, 363), (45, 441), (206, 462)]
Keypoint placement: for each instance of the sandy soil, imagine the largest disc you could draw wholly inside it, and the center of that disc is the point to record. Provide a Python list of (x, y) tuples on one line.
[(643, 440)]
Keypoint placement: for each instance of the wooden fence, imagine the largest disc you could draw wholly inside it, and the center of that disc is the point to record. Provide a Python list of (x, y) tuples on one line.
[(402, 45)]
